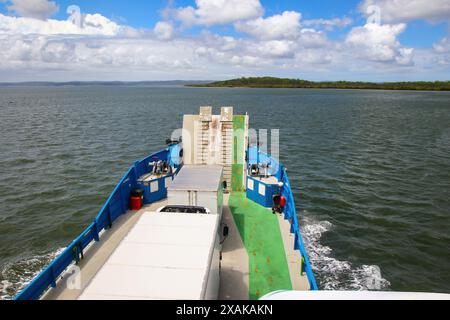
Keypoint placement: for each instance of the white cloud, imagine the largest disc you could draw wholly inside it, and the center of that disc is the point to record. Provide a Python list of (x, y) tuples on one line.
[(379, 43), (37, 9), (393, 11), (328, 24), (276, 49), (164, 30), (93, 24), (376, 34), (310, 38), (285, 26), (313, 57), (91, 54), (442, 46), (442, 52), (229, 59), (213, 12), (101, 49), (58, 51), (223, 43), (281, 26), (229, 52)]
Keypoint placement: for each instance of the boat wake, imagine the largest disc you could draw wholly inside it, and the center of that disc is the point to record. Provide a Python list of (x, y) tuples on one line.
[(15, 276), (333, 274)]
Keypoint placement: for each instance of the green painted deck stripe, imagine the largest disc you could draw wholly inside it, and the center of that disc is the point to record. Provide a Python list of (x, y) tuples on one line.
[(260, 232), (237, 167)]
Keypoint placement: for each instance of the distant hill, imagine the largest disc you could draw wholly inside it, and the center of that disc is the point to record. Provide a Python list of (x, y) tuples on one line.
[(98, 83), (271, 82)]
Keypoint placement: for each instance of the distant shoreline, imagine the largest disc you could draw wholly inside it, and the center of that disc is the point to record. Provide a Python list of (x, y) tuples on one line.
[(251, 83), (98, 83), (279, 83)]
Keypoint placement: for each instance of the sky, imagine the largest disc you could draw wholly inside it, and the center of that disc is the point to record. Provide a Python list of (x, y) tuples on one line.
[(138, 40)]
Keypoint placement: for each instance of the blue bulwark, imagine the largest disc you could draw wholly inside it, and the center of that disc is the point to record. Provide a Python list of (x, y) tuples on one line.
[(116, 205)]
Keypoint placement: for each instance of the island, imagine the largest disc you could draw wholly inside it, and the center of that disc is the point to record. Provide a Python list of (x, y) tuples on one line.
[(272, 82)]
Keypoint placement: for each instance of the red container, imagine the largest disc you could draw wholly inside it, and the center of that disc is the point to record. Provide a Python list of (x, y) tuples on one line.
[(135, 203), (282, 201)]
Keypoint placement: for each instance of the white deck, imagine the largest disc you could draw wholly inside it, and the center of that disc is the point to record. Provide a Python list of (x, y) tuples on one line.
[(164, 256), (234, 279), (234, 275)]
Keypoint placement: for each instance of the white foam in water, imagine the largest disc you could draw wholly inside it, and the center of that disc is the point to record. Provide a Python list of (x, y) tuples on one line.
[(16, 276), (334, 274)]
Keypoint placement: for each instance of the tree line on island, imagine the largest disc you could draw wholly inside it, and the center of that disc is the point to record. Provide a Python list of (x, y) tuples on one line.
[(272, 82)]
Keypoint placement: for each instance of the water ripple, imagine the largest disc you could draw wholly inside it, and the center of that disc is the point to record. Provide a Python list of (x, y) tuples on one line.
[(370, 171)]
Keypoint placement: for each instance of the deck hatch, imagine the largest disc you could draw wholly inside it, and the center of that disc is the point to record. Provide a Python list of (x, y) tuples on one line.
[(198, 177)]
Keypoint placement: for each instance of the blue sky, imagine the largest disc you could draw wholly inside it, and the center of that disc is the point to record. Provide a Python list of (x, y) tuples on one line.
[(323, 39), (144, 14)]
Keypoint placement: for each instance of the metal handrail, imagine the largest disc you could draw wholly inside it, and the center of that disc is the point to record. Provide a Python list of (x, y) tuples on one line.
[(116, 205), (290, 214)]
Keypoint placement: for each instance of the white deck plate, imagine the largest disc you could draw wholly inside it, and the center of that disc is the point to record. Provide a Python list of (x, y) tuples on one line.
[(164, 256), (198, 178), (169, 256), (168, 235), (175, 220), (127, 282)]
